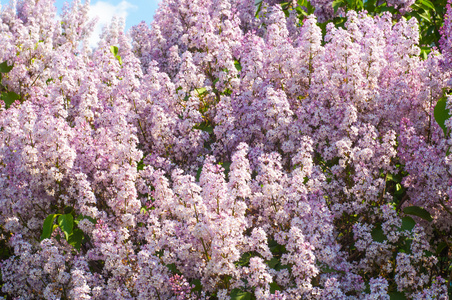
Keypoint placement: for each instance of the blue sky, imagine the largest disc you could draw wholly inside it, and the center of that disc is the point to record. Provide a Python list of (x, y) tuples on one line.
[(134, 11)]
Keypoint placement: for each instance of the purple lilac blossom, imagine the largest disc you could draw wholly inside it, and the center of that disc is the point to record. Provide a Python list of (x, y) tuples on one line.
[(216, 139)]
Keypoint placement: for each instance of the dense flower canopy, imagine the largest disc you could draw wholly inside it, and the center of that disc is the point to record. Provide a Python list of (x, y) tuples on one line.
[(227, 151)]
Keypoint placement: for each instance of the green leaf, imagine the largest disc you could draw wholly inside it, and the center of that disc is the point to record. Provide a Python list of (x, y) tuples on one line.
[(275, 263), (407, 223), (81, 217), (201, 91), (391, 9), (425, 50), (114, 50), (9, 98), (204, 127), (197, 286), (75, 239), (394, 177), (405, 246), (198, 174), (441, 247), (378, 234), (426, 16), (369, 5), (424, 55), (66, 223), (338, 22), (258, 10), (355, 4), (237, 65), (272, 262), (47, 227), (428, 4), (244, 260), (441, 113), (327, 269), (397, 296), (274, 287), (418, 211), (285, 8), (237, 294), (310, 7), (276, 248), (226, 166), (301, 11), (172, 267), (4, 68), (140, 165), (399, 189), (227, 92), (337, 4)]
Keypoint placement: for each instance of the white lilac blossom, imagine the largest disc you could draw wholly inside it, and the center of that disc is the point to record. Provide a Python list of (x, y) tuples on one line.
[(222, 151)]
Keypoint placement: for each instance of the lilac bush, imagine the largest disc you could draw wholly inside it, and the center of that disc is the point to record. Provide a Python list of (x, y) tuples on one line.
[(228, 151)]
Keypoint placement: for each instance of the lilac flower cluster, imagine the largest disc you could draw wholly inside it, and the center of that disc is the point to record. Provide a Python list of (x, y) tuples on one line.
[(222, 153)]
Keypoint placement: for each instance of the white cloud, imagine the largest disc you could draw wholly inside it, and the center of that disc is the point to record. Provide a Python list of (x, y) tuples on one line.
[(104, 12)]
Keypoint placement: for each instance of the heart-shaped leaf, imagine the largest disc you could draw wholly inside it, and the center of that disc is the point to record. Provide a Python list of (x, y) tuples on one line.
[(75, 239), (4, 68), (9, 98), (407, 223), (66, 223), (441, 113), (378, 234), (114, 50), (419, 212), (47, 227), (237, 294)]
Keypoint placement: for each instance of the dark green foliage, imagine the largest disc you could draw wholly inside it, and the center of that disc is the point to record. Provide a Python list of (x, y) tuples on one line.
[(397, 296), (7, 96), (442, 114), (237, 294), (68, 225), (48, 228), (4, 68), (378, 234), (419, 212)]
